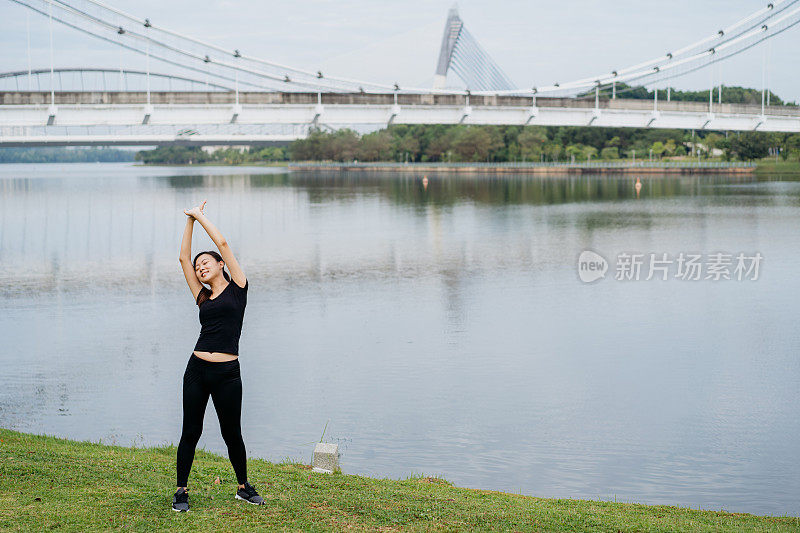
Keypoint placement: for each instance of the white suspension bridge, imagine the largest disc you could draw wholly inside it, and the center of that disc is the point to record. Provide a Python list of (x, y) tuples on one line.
[(209, 95)]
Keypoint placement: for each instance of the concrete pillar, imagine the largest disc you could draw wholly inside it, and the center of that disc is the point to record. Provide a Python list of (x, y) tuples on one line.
[(326, 458)]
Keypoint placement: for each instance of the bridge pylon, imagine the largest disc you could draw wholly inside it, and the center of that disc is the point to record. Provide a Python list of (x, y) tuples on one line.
[(461, 52)]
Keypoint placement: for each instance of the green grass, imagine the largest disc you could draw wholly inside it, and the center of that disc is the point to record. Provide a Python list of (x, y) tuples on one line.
[(769, 166), (51, 483)]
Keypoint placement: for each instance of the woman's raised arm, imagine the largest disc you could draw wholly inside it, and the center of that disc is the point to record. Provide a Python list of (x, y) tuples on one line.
[(224, 249), (186, 243), (185, 259)]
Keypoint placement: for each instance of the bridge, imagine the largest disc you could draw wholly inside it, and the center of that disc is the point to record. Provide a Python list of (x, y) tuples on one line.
[(214, 96)]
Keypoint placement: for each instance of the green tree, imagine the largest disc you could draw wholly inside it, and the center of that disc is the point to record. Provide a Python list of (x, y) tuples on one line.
[(174, 155), (342, 145), (473, 144), (732, 95), (553, 151), (750, 145), (712, 141), (375, 146), (531, 141), (589, 152), (310, 148), (609, 152), (405, 144), (790, 147), (439, 145), (657, 148), (575, 151)]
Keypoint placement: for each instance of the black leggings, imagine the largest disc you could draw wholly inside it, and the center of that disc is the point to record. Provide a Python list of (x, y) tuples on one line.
[(224, 383)]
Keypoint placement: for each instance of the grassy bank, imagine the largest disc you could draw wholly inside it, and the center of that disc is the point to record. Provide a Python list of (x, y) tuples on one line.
[(765, 167), (582, 167), (49, 483), (770, 167)]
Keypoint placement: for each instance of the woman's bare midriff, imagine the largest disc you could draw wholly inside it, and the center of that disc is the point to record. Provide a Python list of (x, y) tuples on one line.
[(216, 357)]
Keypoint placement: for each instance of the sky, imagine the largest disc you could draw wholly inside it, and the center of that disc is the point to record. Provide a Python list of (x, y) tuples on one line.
[(535, 42)]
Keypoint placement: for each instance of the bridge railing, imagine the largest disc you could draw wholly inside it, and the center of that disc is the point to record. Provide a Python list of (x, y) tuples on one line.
[(366, 99)]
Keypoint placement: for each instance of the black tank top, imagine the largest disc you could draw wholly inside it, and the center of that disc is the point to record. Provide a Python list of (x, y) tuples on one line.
[(221, 320)]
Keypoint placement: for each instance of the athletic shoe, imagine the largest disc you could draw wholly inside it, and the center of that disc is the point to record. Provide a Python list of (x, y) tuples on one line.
[(249, 494), (180, 501)]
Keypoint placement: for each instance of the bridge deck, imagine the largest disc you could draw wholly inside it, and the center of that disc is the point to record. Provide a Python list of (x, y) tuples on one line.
[(367, 99), (213, 117)]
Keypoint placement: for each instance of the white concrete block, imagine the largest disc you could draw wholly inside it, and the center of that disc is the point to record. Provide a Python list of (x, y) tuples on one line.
[(326, 458)]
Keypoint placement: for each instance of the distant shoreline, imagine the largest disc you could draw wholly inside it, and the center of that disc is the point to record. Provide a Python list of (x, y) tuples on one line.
[(682, 167), (763, 167)]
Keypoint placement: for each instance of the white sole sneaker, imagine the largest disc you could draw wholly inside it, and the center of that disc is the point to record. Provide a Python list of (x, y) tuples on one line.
[(246, 500)]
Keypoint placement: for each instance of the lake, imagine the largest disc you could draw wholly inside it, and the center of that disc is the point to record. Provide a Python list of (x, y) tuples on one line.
[(437, 328)]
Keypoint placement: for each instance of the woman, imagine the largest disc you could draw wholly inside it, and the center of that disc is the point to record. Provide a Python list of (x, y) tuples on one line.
[(213, 367)]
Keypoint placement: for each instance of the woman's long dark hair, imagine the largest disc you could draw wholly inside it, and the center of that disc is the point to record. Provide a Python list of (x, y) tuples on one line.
[(205, 292)]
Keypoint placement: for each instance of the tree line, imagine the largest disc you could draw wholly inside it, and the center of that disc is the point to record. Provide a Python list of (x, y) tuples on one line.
[(730, 95), (50, 154), (181, 155), (460, 143)]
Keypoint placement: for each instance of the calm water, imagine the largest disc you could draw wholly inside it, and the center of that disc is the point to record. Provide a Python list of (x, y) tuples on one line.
[(438, 331)]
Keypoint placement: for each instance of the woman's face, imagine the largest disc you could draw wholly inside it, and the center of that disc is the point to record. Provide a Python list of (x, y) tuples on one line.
[(207, 268)]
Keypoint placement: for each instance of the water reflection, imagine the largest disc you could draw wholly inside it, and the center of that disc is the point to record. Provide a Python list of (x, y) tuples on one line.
[(440, 329), (449, 189)]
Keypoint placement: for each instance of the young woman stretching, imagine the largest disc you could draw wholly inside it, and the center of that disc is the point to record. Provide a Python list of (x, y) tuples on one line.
[(213, 367)]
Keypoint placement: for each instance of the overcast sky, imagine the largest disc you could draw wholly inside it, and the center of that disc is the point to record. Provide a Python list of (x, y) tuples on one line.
[(535, 42)]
